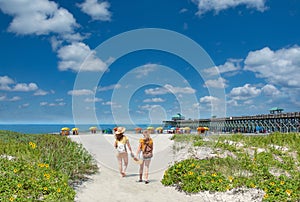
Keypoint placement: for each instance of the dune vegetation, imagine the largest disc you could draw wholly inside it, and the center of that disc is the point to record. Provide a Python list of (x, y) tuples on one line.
[(41, 167), (267, 162)]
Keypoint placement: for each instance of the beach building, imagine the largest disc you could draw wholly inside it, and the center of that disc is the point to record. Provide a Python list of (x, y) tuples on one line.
[(276, 110)]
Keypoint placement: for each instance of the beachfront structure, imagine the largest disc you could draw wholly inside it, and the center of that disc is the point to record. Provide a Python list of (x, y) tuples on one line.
[(281, 122), (275, 110), (178, 116)]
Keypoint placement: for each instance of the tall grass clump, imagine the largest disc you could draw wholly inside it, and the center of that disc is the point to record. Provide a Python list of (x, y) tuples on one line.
[(41, 167)]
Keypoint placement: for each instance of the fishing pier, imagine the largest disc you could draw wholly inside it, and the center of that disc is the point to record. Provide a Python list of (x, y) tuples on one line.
[(276, 121)]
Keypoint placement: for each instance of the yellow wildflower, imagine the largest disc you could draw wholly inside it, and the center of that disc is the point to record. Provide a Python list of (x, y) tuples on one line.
[(46, 165), (19, 185), (58, 190), (45, 188), (15, 170), (272, 183), (277, 190), (197, 166), (214, 174), (252, 185), (191, 173), (288, 192), (47, 176), (193, 165), (220, 180), (282, 182), (266, 195), (230, 178), (33, 146), (11, 199)]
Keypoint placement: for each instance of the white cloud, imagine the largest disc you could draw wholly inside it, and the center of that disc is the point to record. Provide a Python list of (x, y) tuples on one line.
[(169, 89), (14, 98), (80, 92), (156, 91), (73, 56), (108, 103), (145, 70), (154, 100), (41, 93), (231, 66), (245, 92), (112, 104), (281, 67), (7, 84), (97, 10), (149, 107), (93, 100), (110, 87), (217, 83), (25, 105), (23, 87), (184, 90), (270, 90), (5, 81), (183, 10), (209, 99), (218, 5), (233, 103), (52, 104), (5, 98), (38, 17), (43, 103)]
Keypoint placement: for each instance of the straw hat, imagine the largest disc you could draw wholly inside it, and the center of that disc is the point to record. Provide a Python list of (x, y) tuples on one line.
[(146, 134), (120, 130)]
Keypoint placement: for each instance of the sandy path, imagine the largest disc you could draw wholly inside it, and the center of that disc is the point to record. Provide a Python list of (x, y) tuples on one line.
[(108, 186)]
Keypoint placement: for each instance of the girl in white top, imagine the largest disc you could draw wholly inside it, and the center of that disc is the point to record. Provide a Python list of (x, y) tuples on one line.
[(120, 144)]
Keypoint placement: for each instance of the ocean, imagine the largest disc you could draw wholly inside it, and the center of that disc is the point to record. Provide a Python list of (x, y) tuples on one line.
[(55, 128)]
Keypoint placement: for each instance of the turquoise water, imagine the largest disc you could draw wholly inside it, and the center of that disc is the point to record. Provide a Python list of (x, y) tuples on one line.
[(55, 128)]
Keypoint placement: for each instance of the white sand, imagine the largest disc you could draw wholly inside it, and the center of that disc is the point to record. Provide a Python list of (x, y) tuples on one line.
[(109, 186)]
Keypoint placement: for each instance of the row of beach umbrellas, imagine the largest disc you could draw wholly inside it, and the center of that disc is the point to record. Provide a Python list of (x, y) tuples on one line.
[(138, 129), (76, 129)]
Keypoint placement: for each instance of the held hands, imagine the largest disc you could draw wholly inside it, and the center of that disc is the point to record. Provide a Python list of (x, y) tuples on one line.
[(135, 158)]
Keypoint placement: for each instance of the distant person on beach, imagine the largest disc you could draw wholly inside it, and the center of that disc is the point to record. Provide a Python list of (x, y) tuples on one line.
[(120, 144), (145, 153)]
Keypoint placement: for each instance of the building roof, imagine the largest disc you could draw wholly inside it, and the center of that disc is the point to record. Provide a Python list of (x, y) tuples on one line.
[(276, 109)]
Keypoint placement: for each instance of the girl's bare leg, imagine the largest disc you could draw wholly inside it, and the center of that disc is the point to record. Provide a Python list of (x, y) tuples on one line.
[(141, 171), (147, 164), (125, 158), (120, 163)]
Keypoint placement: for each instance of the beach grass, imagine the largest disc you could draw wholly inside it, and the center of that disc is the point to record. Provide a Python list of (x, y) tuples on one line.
[(41, 167), (267, 162)]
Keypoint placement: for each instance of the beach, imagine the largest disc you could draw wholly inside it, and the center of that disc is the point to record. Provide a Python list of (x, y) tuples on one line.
[(108, 185)]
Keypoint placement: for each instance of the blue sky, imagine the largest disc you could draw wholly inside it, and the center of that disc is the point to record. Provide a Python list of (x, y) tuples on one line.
[(46, 46)]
